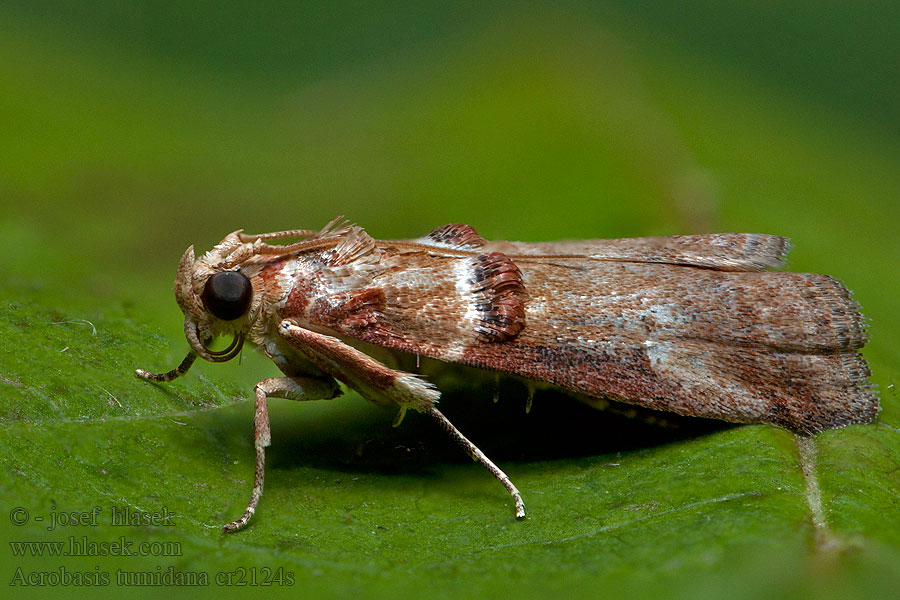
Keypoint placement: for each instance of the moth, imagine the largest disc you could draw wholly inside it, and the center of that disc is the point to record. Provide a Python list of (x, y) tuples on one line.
[(697, 324)]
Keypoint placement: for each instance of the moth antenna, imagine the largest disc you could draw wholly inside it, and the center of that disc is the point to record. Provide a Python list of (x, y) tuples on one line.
[(479, 456), (247, 238), (169, 375), (260, 247), (314, 238), (530, 399)]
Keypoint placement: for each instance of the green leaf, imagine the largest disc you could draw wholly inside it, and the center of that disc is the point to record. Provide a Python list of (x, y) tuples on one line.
[(351, 503), (530, 125)]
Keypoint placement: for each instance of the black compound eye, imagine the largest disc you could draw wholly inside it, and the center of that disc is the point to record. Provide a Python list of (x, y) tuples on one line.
[(227, 295)]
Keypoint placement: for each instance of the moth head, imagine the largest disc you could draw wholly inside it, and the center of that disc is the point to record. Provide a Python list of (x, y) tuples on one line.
[(215, 293)]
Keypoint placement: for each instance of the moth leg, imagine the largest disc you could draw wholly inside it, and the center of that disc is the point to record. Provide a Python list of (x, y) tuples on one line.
[(373, 379), (479, 456), (292, 388)]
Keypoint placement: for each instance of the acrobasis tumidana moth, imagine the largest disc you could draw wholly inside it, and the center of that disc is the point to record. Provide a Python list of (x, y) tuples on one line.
[(693, 324)]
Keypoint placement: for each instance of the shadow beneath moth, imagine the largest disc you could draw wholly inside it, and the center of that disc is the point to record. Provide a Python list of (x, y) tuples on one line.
[(695, 324)]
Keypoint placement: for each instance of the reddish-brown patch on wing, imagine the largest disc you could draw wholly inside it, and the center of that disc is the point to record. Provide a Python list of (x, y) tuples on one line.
[(624, 375), (269, 273), (269, 283), (297, 302), (457, 235), (349, 310), (498, 282)]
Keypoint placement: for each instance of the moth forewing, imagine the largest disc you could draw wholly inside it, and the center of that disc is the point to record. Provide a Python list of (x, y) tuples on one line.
[(689, 324)]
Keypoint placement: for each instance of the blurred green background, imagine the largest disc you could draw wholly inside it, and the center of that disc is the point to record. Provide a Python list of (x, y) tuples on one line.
[(129, 131)]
